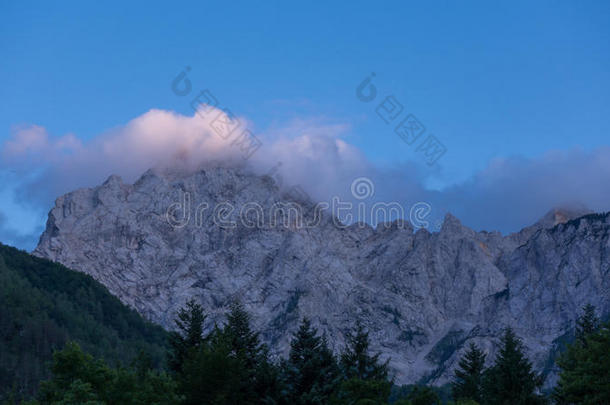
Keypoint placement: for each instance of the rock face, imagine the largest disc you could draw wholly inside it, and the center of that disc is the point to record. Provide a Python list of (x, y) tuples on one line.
[(423, 296)]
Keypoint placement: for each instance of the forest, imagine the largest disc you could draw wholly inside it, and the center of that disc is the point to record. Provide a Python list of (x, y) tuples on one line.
[(66, 340)]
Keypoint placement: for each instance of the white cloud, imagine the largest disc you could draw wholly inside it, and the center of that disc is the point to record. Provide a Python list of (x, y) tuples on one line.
[(315, 154)]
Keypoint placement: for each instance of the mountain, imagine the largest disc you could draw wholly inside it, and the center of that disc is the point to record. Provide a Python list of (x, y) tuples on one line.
[(423, 296), (43, 305)]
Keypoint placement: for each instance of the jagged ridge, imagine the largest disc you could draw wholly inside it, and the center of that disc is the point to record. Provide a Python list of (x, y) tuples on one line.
[(424, 296)]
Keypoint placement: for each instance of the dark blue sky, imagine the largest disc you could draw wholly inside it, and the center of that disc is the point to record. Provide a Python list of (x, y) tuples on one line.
[(490, 80)]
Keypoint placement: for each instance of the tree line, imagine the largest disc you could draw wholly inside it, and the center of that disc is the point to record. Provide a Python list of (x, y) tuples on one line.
[(584, 371), (230, 365)]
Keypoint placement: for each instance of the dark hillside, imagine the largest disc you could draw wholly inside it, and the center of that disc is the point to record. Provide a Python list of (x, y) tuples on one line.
[(43, 305)]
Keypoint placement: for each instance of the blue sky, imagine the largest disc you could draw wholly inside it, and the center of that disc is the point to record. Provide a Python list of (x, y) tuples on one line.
[(491, 80)]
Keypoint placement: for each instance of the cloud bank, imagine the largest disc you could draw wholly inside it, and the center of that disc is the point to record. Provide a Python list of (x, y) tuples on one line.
[(508, 194)]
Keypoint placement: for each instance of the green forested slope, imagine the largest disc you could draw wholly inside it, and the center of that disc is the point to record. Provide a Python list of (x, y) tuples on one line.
[(43, 305)]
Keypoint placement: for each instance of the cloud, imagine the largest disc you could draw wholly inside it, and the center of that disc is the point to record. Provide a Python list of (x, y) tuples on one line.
[(513, 192), (313, 153), (155, 139), (12, 237), (308, 152)]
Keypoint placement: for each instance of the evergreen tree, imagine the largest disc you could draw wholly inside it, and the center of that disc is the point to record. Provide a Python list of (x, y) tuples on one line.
[(310, 373), (270, 388), (189, 336), (421, 395), (244, 342), (511, 381), (260, 378), (587, 324), (469, 375), (362, 392), (365, 376), (212, 374), (585, 370), (229, 366), (357, 362)]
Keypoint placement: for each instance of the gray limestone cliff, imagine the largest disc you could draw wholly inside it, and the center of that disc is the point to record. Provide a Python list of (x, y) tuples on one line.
[(423, 296)]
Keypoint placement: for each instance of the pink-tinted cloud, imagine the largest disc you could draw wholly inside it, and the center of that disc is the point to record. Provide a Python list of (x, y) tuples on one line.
[(314, 154)]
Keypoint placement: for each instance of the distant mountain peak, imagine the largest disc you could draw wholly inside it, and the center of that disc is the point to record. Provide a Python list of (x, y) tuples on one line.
[(561, 215)]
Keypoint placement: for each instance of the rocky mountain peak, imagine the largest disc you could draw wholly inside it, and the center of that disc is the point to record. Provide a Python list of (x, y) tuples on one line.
[(561, 215), (451, 223), (174, 235), (113, 180)]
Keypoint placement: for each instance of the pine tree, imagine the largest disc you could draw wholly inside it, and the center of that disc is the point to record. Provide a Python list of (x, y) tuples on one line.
[(357, 362), (228, 366), (365, 376), (423, 395), (212, 374), (511, 381), (244, 342), (260, 378), (587, 324), (469, 375), (189, 336), (585, 370), (311, 373)]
